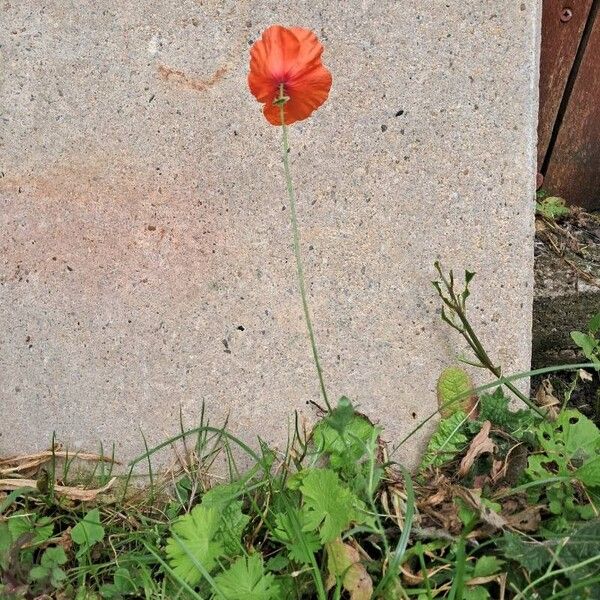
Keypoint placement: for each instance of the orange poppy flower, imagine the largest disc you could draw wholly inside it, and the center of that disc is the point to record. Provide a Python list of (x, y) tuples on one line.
[(292, 58)]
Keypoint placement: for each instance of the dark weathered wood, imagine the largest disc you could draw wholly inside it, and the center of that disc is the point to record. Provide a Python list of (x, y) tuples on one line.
[(574, 167), (561, 35)]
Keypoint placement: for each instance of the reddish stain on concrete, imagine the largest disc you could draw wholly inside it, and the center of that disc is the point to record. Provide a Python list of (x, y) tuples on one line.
[(85, 222), (183, 79)]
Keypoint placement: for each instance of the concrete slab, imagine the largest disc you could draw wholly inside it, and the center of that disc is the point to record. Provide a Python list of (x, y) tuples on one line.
[(146, 261)]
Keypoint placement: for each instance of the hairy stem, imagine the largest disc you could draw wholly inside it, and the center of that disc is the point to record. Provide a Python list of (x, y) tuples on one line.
[(296, 231)]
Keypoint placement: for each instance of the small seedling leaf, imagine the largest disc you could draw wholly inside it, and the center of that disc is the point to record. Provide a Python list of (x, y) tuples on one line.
[(88, 531)]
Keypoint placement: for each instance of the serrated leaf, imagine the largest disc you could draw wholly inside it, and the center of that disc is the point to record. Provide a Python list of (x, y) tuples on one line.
[(570, 448), (54, 556), (447, 441), (494, 407), (233, 520), (295, 531), (196, 541), (487, 565), (330, 506), (552, 207), (246, 579), (454, 388), (532, 556), (344, 447)]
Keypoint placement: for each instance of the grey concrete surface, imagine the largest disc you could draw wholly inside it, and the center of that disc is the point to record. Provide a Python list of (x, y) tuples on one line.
[(146, 259)]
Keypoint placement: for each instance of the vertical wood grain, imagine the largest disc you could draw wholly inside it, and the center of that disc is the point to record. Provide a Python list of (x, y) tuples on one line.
[(574, 167), (560, 41)]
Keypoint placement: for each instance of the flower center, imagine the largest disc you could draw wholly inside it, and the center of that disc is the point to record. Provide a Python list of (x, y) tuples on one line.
[(281, 99)]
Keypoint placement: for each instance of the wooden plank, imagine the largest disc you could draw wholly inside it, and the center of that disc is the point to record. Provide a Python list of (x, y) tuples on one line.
[(561, 35), (574, 168)]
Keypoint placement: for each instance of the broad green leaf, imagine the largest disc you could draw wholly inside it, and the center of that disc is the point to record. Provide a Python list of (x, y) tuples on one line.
[(572, 436), (589, 473), (88, 531), (477, 592), (341, 415), (38, 573), (570, 448), (42, 527), (453, 391), (278, 563), (54, 556), (57, 577), (197, 541), (587, 343), (246, 579), (124, 582), (494, 408)]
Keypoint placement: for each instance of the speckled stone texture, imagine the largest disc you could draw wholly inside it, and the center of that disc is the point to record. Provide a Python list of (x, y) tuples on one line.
[(146, 259)]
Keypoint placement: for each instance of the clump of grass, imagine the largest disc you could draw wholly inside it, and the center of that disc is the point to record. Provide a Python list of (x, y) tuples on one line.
[(331, 517)]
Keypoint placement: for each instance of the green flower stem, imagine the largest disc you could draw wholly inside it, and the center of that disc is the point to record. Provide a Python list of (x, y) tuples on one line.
[(299, 268)]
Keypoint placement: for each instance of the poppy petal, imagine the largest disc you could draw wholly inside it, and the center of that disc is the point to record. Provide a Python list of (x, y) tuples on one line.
[(310, 47), (274, 52), (291, 57)]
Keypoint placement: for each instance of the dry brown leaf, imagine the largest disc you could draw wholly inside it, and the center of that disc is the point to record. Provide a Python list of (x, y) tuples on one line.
[(498, 469), (526, 520), (516, 463), (16, 464), (473, 500), (482, 580), (436, 498), (546, 399), (396, 497), (344, 561), (480, 444), (417, 578), (409, 577), (72, 493), (65, 540)]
